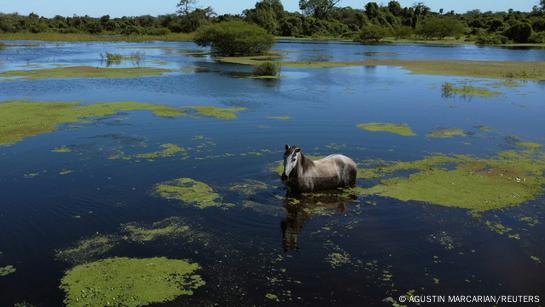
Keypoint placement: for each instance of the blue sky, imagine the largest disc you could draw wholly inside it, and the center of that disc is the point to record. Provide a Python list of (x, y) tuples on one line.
[(155, 7)]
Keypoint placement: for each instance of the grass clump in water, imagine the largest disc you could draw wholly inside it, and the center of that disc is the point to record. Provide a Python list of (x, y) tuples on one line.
[(19, 120), (449, 89), (7, 270), (400, 129), (338, 259), (463, 182), (87, 249), (62, 149), (217, 112), (249, 187), (84, 72), (130, 282), (190, 191), (528, 145), (279, 117), (167, 150), (267, 69), (167, 228), (446, 133)]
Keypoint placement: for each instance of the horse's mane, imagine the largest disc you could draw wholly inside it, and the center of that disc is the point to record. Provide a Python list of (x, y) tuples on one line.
[(306, 163)]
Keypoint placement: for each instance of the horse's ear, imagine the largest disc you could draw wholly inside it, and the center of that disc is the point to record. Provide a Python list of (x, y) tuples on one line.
[(287, 146)]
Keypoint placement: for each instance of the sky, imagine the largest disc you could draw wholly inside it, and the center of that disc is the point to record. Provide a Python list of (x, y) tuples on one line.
[(117, 8)]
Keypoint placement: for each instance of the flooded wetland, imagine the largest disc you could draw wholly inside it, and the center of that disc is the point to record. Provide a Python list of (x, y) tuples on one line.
[(154, 177)]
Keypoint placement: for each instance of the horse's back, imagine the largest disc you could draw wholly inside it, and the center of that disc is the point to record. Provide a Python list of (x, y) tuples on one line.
[(344, 167)]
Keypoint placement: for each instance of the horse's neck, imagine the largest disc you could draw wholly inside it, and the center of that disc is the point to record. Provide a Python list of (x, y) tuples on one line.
[(305, 164)]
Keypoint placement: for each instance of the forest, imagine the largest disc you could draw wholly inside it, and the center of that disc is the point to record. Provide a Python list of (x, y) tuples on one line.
[(371, 22)]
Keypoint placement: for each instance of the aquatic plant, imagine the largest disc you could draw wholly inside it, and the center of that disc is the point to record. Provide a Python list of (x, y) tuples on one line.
[(5, 271), (167, 228), (446, 133), (190, 191), (267, 69), (87, 249), (167, 150), (111, 57), (272, 297), (477, 184), (62, 149), (19, 119), (248, 187), (279, 117), (130, 282), (400, 129), (217, 112), (70, 72), (528, 145), (338, 259), (449, 89)]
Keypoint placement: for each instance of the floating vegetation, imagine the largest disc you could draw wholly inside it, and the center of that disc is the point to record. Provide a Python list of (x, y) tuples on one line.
[(449, 90), (338, 259), (446, 133), (529, 220), (87, 249), (65, 172), (502, 230), (248, 187), (459, 181), (400, 129), (31, 175), (535, 259), (190, 191), (7, 270), (375, 53), (279, 117), (217, 112), (19, 119), (62, 149), (272, 297), (113, 58), (171, 227), (70, 72), (167, 150), (130, 282), (443, 239)]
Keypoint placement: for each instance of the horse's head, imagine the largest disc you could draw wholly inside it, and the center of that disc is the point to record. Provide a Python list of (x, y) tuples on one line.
[(292, 155)]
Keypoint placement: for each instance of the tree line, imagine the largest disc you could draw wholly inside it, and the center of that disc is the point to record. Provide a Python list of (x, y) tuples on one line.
[(316, 18)]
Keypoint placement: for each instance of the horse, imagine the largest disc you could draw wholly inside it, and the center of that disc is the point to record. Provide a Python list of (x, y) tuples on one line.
[(303, 175)]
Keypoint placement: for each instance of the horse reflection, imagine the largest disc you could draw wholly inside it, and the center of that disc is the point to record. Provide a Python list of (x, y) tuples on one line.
[(301, 207)]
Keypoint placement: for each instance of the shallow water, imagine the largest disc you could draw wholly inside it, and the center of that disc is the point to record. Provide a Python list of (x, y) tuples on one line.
[(267, 246)]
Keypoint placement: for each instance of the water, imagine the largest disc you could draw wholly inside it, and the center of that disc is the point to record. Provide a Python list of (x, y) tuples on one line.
[(272, 248)]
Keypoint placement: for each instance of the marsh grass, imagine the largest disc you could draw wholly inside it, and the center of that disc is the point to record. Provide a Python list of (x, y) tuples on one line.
[(84, 72), (267, 69), (449, 90), (400, 129)]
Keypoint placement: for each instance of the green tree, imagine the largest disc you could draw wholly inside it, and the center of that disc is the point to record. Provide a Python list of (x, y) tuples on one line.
[(437, 27), (395, 8), (519, 32), (317, 8), (234, 38), (372, 33), (186, 6), (372, 10), (267, 14)]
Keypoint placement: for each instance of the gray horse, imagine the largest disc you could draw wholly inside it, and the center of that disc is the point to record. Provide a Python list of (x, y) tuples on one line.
[(302, 174)]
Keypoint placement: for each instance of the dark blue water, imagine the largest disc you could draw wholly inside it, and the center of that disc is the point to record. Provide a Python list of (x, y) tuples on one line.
[(274, 248)]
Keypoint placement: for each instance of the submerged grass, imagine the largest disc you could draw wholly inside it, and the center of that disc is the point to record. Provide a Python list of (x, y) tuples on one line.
[(449, 89), (477, 184), (19, 119), (130, 282), (521, 70), (84, 72), (217, 112), (167, 228), (87, 249), (400, 129), (446, 133), (167, 150)]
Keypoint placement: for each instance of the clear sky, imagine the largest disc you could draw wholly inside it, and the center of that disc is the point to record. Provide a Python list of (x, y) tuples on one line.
[(117, 8)]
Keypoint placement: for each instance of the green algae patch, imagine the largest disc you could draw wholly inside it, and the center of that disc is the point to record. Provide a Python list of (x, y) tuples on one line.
[(65, 172), (279, 117), (446, 133), (217, 112), (400, 129), (62, 149), (167, 150), (171, 227), (338, 259), (7, 270), (87, 249), (272, 297), (84, 72), (19, 119), (130, 282), (190, 191), (449, 89), (462, 181)]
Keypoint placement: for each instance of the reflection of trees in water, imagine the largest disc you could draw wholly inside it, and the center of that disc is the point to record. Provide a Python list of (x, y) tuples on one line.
[(301, 207)]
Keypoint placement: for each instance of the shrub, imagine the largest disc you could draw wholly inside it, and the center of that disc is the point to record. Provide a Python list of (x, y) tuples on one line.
[(372, 33), (403, 32), (233, 38), (266, 69), (537, 38), (519, 32), (112, 57), (491, 39), (436, 27)]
